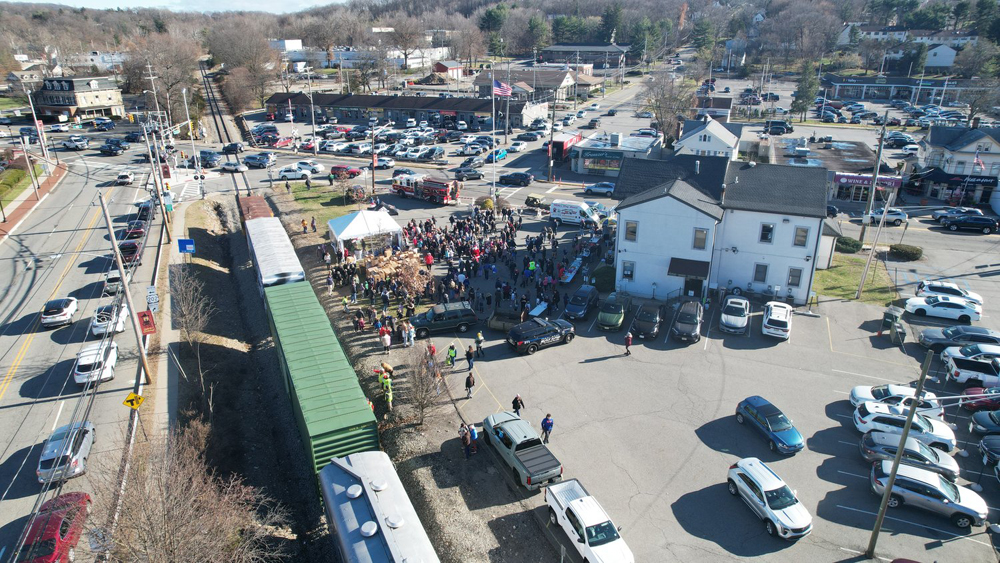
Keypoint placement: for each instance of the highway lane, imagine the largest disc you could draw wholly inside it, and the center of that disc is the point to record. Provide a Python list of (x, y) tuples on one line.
[(61, 249)]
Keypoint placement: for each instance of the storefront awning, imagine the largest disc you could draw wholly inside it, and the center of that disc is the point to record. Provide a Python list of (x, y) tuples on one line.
[(938, 176), (688, 268)]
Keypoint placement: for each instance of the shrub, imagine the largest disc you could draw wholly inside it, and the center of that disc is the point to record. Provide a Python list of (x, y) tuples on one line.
[(604, 278), (905, 252), (848, 245), (486, 202)]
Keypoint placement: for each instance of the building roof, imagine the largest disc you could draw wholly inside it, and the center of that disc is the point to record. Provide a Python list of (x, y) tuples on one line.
[(703, 172), (586, 79), (681, 191), (80, 83), (547, 78), (391, 102), (830, 79), (369, 513), (775, 188), (588, 47), (694, 126), (715, 102), (957, 138), (852, 157), (450, 64), (943, 33), (831, 228), (524, 86)]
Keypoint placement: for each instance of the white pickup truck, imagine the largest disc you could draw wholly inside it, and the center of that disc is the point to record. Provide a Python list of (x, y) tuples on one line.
[(77, 143), (586, 524), (973, 373)]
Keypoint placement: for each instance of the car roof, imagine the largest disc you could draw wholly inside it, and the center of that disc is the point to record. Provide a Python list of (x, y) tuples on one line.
[(887, 439), (976, 330), (94, 350), (761, 473), (875, 407), (63, 302), (516, 427), (737, 299), (912, 472), (762, 405), (53, 448), (932, 283), (590, 511), (585, 290), (779, 310), (690, 307)]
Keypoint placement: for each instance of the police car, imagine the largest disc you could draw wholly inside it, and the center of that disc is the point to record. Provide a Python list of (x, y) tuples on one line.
[(528, 337)]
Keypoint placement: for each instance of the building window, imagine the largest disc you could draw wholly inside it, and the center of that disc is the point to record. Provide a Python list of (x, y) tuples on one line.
[(760, 273), (700, 239), (995, 170), (631, 230), (960, 167), (794, 277), (767, 232), (801, 236), (628, 271), (984, 147)]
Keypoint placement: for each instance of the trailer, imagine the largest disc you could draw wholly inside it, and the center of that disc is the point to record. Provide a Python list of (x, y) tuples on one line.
[(272, 252), (420, 186)]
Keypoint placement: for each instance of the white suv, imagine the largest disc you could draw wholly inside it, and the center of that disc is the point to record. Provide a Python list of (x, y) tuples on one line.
[(947, 289), (893, 217), (777, 320), (96, 363), (293, 172), (891, 419), (769, 498)]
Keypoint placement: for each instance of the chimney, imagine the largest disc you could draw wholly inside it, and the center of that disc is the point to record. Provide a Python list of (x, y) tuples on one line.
[(697, 167), (975, 123)]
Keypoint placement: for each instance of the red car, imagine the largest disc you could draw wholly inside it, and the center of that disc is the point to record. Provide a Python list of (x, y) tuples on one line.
[(56, 530), (988, 403), (131, 251), (340, 170), (270, 117), (282, 142)]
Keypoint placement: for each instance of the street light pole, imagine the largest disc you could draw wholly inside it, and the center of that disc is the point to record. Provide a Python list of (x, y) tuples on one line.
[(312, 111), (201, 183), (133, 314), (31, 168)]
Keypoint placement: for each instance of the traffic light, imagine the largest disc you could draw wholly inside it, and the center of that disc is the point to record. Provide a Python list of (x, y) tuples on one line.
[(131, 118)]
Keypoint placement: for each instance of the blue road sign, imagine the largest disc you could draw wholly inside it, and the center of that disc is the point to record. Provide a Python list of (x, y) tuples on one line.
[(185, 245)]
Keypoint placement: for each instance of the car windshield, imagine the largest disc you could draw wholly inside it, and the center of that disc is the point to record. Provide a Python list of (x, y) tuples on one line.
[(880, 392), (646, 315), (37, 550), (780, 498), (779, 422), (949, 489), (952, 332), (687, 318), (920, 421), (601, 534), (578, 300), (994, 417), (430, 314), (611, 307), (734, 311), (927, 451)]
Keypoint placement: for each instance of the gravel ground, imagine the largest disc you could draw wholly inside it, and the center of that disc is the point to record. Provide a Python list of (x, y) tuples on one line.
[(467, 508)]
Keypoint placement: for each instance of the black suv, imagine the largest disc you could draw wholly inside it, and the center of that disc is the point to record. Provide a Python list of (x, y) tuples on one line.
[(582, 303), (134, 137), (119, 143), (111, 150), (520, 178), (972, 222), (648, 319), (528, 337), (468, 174), (232, 148), (448, 316)]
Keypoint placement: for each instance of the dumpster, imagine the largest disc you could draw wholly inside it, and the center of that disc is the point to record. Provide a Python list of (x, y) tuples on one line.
[(890, 316), (899, 333)]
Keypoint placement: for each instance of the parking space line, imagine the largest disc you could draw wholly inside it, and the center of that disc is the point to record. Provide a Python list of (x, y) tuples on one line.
[(850, 416), (856, 552), (852, 444), (956, 536), (868, 376), (829, 333), (842, 392), (865, 477)]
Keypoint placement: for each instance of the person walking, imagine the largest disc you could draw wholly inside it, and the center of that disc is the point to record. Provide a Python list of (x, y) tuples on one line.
[(470, 382), (313, 224), (517, 404), (452, 354), (547, 424), (628, 342), (347, 304), (288, 188), (469, 354), (308, 184), (463, 434), (480, 353), (330, 178), (305, 227), (329, 283)]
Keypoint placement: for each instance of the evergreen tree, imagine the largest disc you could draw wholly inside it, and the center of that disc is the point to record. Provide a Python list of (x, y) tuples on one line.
[(806, 90)]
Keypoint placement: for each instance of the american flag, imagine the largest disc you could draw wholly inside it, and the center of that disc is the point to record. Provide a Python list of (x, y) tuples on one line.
[(501, 89), (978, 162)]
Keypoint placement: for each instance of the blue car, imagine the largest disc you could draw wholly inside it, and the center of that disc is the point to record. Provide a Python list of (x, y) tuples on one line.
[(496, 154), (771, 423)]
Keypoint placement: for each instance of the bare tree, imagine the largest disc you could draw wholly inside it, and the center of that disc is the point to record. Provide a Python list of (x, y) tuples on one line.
[(422, 381), (669, 100), (177, 509), (191, 310), (469, 44), (242, 42), (408, 36), (173, 62), (236, 89), (980, 100)]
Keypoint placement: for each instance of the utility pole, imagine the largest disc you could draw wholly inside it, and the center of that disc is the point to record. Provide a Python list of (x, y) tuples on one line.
[(159, 189), (34, 119), (877, 169), (156, 100), (552, 132), (506, 115), (576, 93), (887, 492), (604, 82), (133, 314), (31, 168), (312, 111), (194, 157)]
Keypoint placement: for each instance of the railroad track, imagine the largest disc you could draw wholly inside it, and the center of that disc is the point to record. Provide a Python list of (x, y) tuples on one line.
[(221, 127)]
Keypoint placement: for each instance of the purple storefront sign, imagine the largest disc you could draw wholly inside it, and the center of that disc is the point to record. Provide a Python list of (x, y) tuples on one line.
[(866, 180)]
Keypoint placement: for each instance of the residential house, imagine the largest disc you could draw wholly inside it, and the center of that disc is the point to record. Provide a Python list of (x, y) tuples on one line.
[(707, 137), (754, 227), (452, 69), (948, 167), (698, 171), (29, 80), (957, 39), (79, 97), (940, 58)]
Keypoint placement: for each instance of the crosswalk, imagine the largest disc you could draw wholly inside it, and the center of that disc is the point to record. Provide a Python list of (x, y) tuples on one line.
[(508, 192), (191, 190)]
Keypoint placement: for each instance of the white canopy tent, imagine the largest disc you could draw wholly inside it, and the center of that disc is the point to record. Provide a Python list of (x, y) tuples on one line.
[(362, 225)]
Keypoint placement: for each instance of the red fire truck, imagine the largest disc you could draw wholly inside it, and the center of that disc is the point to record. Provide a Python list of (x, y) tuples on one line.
[(420, 186)]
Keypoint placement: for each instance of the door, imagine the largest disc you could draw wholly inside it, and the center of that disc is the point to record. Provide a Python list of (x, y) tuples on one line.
[(693, 287), (576, 531)]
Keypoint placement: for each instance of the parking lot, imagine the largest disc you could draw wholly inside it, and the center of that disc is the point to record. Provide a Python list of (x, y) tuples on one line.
[(652, 435)]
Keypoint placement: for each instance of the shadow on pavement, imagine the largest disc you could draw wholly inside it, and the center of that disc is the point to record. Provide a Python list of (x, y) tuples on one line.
[(18, 471), (743, 534), (51, 382)]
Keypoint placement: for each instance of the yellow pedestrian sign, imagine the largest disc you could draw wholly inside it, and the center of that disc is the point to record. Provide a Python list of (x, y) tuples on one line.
[(133, 401)]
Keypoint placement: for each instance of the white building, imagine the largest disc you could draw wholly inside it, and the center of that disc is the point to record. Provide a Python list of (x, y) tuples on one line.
[(285, 45), (707, 137), (103, 61), (948, 168), (901, 34), (762, 229), (351, 57)]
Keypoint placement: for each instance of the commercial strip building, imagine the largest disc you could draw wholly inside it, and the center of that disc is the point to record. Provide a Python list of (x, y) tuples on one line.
[(603, 154), (601, 55), (79, 97), (691, 225), (349, 107), (913, 90)]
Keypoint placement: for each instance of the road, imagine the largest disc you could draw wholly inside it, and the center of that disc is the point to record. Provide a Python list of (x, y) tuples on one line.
[(61, 249)]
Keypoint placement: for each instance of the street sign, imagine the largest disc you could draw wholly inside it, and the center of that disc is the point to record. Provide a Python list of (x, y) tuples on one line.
[(152, 299), (146, 322), (185, 245), (133, 401)]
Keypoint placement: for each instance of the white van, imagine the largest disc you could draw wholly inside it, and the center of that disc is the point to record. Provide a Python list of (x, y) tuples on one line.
[(576, 212)]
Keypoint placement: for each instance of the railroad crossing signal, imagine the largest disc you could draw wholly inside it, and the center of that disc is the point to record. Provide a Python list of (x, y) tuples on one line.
[(133, 401)]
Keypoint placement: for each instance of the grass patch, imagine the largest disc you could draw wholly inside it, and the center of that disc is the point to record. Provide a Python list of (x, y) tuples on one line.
[(14, 181), (13, 103), (841, 280), (322, 202)]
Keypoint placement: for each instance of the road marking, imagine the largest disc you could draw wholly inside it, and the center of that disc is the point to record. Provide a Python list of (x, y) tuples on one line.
[(956, 536), (842, 392), (853, 474), (55, 421), (862, 553), (829, 333), (850, 416), (868, 376), (847, 443), (552, 189)]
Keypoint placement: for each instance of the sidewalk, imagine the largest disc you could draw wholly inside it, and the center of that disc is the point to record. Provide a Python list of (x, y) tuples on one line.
[(167, 373), (25, 203)]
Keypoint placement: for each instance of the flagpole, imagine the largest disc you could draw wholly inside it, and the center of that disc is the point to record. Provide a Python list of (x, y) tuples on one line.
[(965, 184), (493, 131)]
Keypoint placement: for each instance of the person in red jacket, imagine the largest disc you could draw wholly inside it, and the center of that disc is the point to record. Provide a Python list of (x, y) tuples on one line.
[(428, 260), (628, 342)]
